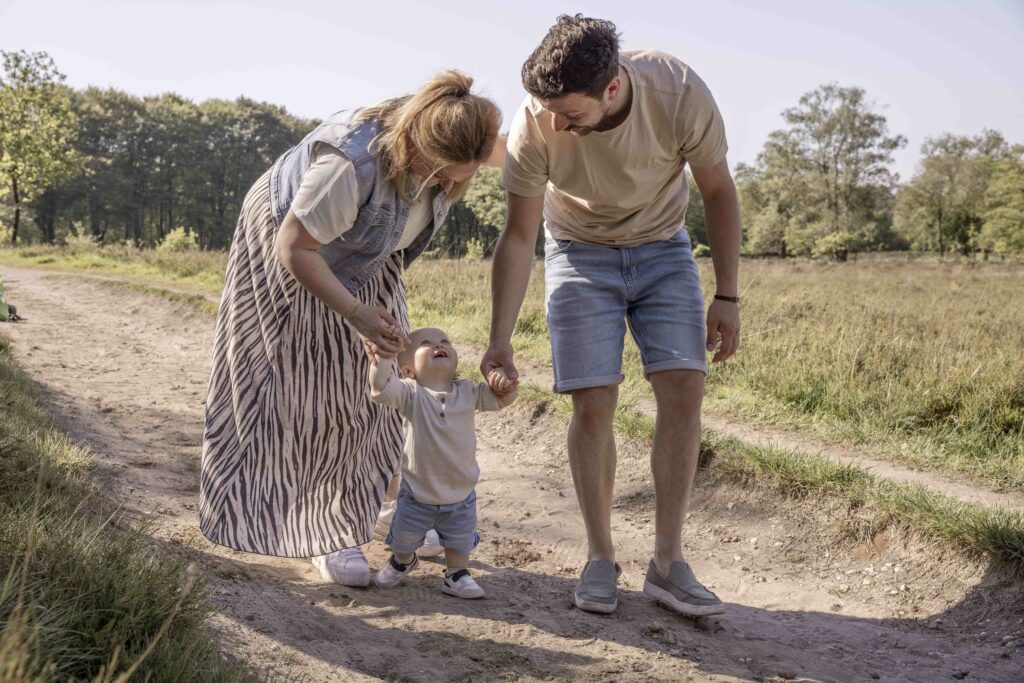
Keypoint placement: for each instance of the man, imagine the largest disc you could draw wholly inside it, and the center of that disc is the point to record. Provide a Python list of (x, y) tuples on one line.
[(598, 149)]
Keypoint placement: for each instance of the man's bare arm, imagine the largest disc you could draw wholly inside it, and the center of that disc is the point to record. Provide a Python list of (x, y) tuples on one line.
[(722, 213), (510, 275)]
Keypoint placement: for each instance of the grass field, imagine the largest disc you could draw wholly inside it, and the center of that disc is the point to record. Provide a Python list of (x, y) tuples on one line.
[(83, 595), (916, 360), (919, 360)]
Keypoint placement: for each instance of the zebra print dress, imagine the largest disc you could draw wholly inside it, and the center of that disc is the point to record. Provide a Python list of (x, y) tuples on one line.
[(296, 458)]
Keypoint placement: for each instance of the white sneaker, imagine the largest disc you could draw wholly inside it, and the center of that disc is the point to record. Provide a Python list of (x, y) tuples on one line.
[(392, 573), (431, 545), (461, 585), (347, 567)]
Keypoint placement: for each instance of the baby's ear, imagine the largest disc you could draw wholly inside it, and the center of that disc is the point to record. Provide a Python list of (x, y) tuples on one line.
[(407, 372)]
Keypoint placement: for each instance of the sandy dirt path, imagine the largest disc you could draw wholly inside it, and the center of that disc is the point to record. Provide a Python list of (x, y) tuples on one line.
[(127, 373)]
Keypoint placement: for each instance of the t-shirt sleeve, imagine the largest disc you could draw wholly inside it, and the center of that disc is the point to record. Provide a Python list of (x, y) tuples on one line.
[(526, 161), (699, 126), (327, 201), (397, 393), (485, 398)]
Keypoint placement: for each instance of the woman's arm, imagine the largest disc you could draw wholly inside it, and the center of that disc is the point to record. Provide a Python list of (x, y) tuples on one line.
[(299, 253)]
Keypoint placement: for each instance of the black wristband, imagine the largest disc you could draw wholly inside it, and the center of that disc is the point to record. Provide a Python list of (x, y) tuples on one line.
[(730, 299)]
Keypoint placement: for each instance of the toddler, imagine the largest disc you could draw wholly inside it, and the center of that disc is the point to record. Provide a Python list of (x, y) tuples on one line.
[(439, 468)]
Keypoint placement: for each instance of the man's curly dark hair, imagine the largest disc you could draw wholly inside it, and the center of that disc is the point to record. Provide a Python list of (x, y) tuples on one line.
[(578, 55)]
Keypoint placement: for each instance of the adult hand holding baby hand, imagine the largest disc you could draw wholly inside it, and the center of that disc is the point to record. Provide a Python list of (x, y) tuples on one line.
[(375, 353), (380, 331), (499, 358), (501, 384)]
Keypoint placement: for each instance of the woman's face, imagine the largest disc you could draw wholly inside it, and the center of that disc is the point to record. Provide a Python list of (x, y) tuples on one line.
[(447, 176)]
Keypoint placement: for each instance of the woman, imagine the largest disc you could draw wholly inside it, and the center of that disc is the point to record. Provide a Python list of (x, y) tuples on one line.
[(296, 459)]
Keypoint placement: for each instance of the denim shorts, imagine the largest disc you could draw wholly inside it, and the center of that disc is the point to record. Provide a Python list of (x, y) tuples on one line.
[(455, 524), (592, 291)]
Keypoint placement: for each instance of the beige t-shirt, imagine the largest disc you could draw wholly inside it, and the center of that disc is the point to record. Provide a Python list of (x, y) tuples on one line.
[(327, 201), (439, 459), (624, 186)]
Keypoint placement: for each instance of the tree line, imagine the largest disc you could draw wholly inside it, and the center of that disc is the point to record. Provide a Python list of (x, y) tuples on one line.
[(115, 167), (120, 167), (823, 186)]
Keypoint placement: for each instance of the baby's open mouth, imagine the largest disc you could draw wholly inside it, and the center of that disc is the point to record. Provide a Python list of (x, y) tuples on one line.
[(440, 354)]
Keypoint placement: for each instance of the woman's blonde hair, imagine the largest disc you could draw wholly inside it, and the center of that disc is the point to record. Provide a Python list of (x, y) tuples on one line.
[(443, 121)]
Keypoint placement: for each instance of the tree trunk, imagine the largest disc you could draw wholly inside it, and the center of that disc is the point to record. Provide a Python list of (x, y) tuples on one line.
[(94, 212), (141, 217), (46, 215), (17, 209)]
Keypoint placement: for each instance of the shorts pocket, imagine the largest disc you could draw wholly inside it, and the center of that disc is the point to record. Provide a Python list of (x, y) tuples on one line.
[(553, 248), (405, 494), (681, 237)]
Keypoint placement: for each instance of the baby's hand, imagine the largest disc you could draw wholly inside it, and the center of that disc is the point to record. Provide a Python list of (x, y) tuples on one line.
[(385, 355), (500, 383), (376, 353)]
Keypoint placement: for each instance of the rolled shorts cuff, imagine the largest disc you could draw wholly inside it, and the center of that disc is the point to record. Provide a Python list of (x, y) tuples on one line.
[(680, 364), (588, 383), (409, 546), (461, 544)]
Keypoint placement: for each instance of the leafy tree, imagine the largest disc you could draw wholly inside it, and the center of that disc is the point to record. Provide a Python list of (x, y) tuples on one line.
[(237, 141), (104, 195), (153, 164), (941, 207), (486, 199), (172, 131), (1003, 207), (827, 173), (764, 213), (37, 128)]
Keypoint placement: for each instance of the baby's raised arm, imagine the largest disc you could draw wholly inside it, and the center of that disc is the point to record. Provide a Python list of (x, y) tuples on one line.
[(380, 370)]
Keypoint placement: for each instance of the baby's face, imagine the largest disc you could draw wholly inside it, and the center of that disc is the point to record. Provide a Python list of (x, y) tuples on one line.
[(431, 354)]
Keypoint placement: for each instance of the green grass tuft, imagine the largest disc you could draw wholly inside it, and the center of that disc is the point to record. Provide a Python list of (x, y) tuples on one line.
[(83, 595)]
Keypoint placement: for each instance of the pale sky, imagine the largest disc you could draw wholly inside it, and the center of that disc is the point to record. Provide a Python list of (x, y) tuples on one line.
[(931, 66)]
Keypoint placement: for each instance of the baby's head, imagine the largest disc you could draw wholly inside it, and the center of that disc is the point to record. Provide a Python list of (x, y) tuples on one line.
[(430, 356)]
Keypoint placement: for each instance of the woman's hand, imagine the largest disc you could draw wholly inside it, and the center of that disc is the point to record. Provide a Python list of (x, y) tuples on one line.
[(379, 329)]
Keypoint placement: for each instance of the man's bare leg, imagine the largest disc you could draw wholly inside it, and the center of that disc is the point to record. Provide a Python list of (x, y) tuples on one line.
[(592, 461), (674, 457)]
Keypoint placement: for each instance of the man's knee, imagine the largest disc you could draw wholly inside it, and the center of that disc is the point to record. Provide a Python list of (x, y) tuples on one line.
[(681, 391), (594, 407)]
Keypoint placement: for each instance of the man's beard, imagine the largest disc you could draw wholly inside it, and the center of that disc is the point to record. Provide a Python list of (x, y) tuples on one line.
[(583, 131)]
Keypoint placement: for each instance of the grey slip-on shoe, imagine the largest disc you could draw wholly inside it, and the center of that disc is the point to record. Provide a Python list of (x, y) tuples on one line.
[(596, 590), (681, 591)]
